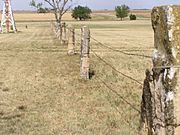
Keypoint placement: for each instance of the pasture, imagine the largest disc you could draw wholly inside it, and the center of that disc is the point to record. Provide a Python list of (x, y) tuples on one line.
[(96, 16), (41, 92)]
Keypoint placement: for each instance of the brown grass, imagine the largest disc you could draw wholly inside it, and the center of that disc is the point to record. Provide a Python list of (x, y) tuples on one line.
[(44, 94), (96, 15)]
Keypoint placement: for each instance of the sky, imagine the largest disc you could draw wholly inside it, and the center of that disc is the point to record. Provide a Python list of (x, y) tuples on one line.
[(101, 4)]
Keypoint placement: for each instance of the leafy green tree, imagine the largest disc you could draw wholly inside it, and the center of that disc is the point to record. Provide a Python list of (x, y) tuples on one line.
[(81, 13), (39, 7), (33, 3), (122, 11), (43, 10), (132, 17)]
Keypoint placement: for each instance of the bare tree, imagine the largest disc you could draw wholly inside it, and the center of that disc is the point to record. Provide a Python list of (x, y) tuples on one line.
[(60, 7)]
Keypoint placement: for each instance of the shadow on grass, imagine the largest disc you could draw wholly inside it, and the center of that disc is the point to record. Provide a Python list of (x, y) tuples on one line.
[(91, 73)]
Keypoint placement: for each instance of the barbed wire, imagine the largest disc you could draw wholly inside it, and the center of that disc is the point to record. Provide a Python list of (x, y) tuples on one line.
[(111, 89), (120, 96), (113, 66), (116, 108), (165, 67), (127, 76), (118, 72), (116, 69), (108, 47)]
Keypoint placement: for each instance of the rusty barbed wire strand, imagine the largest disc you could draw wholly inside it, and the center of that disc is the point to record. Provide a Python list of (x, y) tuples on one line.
[(79, 35), (121, 97), (165, 67), (108, 47), (116, 108), (113, 91), (116, 69)]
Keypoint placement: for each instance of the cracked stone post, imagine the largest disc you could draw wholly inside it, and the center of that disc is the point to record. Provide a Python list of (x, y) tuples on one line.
[(161, 93), (71, 40), (84, 65)]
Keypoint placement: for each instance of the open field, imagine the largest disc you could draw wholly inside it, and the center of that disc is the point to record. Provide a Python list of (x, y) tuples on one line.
[(41, 92), (96, 15)]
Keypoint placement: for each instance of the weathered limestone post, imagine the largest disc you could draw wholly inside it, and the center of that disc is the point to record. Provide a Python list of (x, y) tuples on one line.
[(161, 93), (64, 36), (84, 67), (71, 40)]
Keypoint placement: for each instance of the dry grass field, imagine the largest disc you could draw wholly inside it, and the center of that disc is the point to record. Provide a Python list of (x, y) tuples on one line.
[(96, 16), (41, 92)]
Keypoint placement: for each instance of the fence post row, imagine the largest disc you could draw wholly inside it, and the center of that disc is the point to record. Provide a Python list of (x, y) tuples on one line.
[(161, 93), (71, 40), (85, 47)]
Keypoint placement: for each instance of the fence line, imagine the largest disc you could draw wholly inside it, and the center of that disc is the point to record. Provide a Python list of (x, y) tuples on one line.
[(108, 47), (78, 42), (127, 76)]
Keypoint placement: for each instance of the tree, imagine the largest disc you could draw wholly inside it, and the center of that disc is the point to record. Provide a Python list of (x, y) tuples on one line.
[(37, 6), (132, 17), (59, 8), (122, 11), (81, 13)]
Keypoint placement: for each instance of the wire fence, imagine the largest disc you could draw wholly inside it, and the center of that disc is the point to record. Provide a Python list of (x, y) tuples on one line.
[(128, 123), (103, 83), (119, 72), (120, 51)]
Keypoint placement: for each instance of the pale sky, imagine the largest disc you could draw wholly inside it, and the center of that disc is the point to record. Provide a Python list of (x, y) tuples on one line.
[(102, 4)]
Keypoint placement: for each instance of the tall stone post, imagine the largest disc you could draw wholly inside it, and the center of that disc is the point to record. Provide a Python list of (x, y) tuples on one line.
[(84, 65), (71, 40), (161, 93)]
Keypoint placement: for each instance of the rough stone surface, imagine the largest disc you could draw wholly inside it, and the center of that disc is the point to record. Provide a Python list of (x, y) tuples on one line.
[(85, 47), (164, 86), (71, 40)]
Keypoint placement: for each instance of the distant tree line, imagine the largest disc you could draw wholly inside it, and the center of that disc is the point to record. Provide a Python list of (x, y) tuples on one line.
[(79, 12), (84, 13), (123, 11), (39, 7)]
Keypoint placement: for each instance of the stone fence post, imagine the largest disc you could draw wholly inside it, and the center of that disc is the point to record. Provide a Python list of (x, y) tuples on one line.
[(71, 40), (84, 65), (161, 92)]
